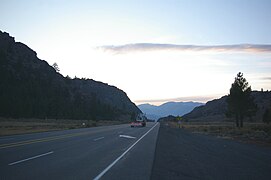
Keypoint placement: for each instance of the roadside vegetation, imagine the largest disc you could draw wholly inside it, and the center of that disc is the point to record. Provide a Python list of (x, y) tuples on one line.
[(240, 107), (259, 133), (9, 126)]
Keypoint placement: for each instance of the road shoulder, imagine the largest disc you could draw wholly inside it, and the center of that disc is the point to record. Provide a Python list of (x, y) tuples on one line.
[(181, 154)]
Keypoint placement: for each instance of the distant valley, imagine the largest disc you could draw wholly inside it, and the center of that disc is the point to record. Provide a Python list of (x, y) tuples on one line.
[(169, 108)]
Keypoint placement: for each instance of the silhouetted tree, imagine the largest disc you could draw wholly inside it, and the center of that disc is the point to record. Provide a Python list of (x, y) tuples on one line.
[(55, 66), (240, 103), (68, 77), (267, 116)]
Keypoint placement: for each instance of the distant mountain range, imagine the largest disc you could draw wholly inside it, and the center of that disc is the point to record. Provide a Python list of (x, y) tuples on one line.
[(215, 110), (31, 88), (166, 109)]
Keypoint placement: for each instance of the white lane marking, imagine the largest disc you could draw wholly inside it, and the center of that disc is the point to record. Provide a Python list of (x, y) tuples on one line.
[(97, 139), (34, 157), (114, 162), (126, 136)]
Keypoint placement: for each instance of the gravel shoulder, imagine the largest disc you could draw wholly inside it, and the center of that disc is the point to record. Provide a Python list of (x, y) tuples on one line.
[(181, 154)]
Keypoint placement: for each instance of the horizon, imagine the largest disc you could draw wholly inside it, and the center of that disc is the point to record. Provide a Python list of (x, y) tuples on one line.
[(155, 51), (158, 102)]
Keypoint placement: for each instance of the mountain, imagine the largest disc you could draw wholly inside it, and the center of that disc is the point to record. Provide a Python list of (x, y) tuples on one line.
[(215, 110), (31, 88), (169, 108)]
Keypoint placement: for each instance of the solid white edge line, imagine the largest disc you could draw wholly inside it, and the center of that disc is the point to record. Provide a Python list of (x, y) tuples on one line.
[(98, 139), (34, 157), (114, 162)]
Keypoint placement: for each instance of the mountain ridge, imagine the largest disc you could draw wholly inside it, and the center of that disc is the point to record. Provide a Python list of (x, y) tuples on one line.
[(168, 108), (215, 110), (31, 88)]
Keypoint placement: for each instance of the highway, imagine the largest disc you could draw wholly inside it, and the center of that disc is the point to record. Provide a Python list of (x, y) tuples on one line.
[(109, 152)]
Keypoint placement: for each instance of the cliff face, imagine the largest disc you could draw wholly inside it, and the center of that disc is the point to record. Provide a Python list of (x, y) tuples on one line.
[(31, 88), (215, 110)]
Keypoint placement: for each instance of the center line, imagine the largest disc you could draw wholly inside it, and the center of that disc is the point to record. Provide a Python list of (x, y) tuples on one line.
[(34, 157)]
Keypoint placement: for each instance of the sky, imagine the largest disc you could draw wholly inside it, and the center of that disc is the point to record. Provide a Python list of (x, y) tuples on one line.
[(154, 50)]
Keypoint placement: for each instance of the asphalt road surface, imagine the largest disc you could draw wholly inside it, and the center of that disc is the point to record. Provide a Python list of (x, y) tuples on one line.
[(122, 152), (186, 156), (110, 152)]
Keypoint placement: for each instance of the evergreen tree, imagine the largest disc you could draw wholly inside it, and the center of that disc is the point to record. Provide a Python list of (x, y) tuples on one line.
[(267, 116), (240, 103), (55, 66)]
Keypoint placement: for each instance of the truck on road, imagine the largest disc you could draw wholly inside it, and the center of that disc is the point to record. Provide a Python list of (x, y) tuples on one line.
[(140, 121)]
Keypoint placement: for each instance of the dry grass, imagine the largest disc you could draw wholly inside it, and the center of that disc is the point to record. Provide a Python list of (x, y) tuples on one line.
[(251, 132), (22, 126)]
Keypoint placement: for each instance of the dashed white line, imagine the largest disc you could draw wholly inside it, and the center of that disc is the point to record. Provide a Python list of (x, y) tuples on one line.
[(114, 162), (97, 139), (34, 157), (126, 136)]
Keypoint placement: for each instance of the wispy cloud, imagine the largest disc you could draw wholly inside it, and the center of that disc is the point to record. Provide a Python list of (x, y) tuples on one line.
[(266, 78), (174, 47)]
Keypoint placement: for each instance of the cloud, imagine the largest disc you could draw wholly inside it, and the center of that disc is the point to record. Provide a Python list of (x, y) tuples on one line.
[(258, 48), (266, 78)]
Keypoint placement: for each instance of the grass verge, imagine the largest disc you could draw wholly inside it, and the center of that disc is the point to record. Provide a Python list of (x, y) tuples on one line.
[(10, 126), (258, 133)]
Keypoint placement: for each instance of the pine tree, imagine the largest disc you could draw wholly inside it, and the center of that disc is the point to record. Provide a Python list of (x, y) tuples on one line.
[(240, 103), (267, 116), (55, 66)]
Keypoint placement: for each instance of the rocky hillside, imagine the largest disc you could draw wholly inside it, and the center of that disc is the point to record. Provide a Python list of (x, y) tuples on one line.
[(215, 110), (169, 108), (31, 88)]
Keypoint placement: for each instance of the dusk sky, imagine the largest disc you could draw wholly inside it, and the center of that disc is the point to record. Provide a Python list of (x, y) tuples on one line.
[(154, 50)]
